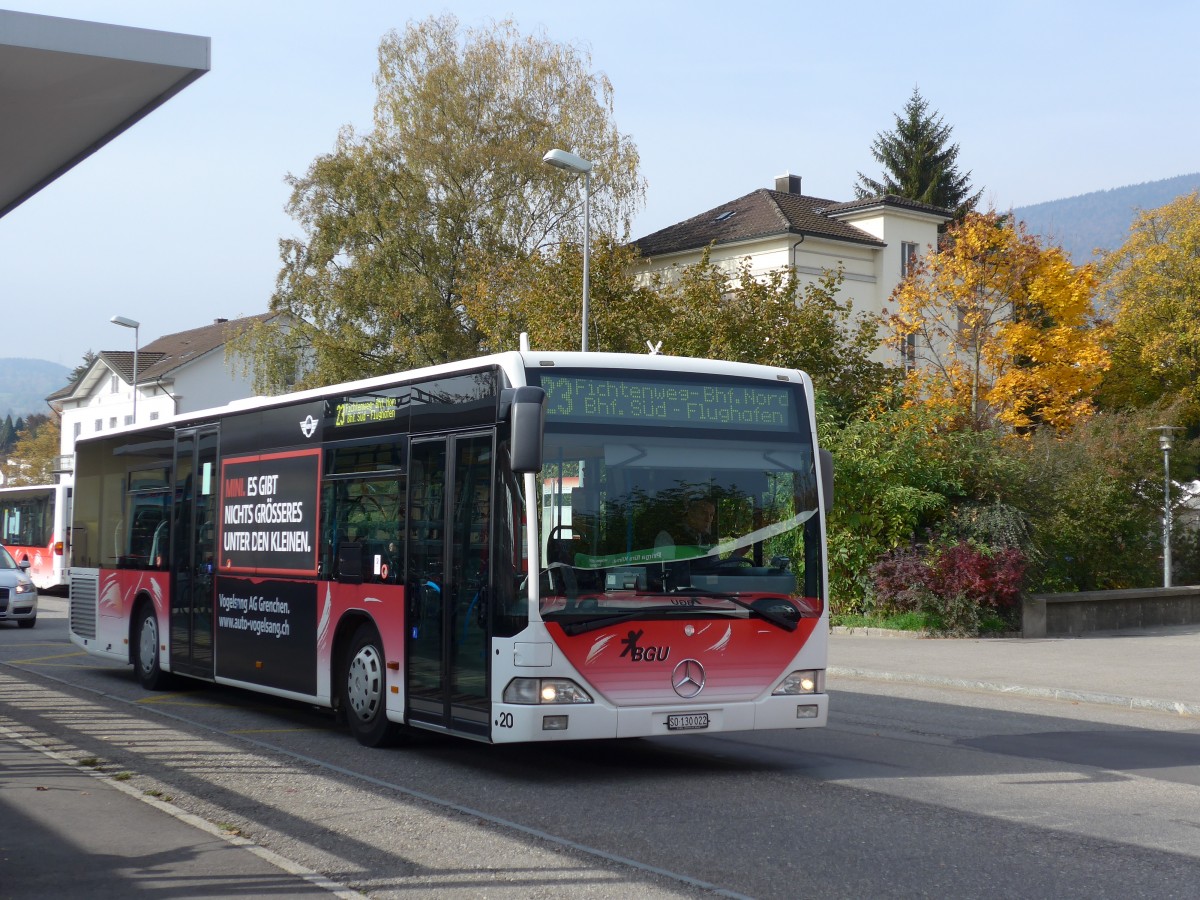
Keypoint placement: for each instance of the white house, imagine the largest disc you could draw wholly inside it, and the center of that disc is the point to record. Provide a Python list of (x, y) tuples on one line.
[(177, 373), (874, 240)]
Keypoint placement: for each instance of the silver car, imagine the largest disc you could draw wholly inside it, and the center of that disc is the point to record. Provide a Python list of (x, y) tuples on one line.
[(18, 596)]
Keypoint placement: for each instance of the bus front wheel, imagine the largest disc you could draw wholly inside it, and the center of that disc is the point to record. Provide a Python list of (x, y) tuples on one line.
[(364, 686), (145, 649)]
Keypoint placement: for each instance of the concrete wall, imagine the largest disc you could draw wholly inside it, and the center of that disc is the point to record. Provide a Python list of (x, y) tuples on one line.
[(1064, 615)]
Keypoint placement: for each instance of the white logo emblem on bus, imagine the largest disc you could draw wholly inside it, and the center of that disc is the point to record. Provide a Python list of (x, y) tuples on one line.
[(688, 679), (308, 426)]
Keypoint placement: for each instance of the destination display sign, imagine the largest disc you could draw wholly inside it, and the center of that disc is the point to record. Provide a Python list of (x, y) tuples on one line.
[(611, 399), (269, 513)]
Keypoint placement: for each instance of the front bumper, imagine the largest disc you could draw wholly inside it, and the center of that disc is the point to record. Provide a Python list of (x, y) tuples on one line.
[(18, 606)]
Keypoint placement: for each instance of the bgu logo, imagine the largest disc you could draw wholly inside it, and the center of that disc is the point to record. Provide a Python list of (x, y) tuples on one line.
[(643, 654)]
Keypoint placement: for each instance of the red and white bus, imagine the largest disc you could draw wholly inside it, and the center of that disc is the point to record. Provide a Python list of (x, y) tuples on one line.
[(385, 548), (35, 526)]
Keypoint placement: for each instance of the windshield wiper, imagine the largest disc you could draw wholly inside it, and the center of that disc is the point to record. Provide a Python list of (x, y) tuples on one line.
[(771, 616), (574, 628)]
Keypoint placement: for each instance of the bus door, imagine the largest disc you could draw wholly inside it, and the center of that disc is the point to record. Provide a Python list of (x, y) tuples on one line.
[(193, 551), (447, 626)]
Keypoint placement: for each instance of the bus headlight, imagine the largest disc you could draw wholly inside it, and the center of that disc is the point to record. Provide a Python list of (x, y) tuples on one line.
[(533, 691), (804, 681)]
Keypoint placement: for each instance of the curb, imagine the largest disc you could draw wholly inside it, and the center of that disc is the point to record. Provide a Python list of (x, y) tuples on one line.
[(1174, 707)]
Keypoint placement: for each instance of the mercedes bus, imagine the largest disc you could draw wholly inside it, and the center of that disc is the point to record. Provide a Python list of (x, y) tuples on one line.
[(396, 548)]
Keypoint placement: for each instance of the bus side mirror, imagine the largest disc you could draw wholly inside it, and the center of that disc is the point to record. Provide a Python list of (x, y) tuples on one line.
[(826, 462), (528, 421)]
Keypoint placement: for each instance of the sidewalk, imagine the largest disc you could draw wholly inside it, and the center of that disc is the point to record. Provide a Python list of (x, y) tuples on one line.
[(65, 832), (1156, 668)]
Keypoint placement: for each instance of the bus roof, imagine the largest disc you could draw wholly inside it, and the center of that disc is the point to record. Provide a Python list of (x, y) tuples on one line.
[(513, 363)]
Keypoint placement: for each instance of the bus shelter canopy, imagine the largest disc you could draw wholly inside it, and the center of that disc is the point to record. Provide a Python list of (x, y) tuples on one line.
[(68, 87)]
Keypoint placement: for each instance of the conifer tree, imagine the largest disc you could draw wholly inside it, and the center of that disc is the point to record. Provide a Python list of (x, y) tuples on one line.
[(920, 162)]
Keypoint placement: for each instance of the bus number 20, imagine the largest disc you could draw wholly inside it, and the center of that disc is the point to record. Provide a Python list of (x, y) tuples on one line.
[(505, 720)]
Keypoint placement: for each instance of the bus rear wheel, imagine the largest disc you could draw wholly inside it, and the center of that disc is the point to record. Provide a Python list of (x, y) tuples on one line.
[(145, 649), (364, 690)]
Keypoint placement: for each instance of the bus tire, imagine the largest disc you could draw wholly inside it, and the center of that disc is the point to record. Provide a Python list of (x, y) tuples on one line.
[(364, 690), (145, 646)]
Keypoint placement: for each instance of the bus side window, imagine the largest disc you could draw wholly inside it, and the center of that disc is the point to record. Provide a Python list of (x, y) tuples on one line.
[(363, 519)]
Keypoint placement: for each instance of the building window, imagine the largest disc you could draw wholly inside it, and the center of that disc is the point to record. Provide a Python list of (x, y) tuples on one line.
[(112, 422), (129, 420), (908, 258), (908, 352), (78, 430), (153, 416), (99, 424), (114, 384)]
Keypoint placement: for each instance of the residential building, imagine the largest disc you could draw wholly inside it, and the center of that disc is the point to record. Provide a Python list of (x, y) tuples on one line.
[(873, 240), (177, 373)]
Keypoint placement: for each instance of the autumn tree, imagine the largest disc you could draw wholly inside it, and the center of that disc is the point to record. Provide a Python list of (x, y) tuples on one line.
[(34, 454), (1003, 328), (542, 295), (920, 162), (1152, 285), (400, 222)]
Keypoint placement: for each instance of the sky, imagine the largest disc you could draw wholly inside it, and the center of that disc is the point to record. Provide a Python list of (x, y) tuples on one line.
[(178, 220)]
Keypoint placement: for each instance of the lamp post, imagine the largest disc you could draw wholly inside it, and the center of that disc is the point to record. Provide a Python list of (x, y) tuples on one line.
[(569, 162), (1166, 439), (130, 323)]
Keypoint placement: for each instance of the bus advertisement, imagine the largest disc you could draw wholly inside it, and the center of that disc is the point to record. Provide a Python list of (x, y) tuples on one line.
[(521, 547), (35, 527)]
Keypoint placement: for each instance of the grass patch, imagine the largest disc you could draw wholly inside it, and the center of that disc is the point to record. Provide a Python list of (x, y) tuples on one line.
[(908, 621), (91, 762), (991, 622), (122, 776)]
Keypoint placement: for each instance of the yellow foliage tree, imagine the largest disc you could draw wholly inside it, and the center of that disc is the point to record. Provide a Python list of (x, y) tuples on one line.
[(1002, 330), (33, 456), (1152, 283)]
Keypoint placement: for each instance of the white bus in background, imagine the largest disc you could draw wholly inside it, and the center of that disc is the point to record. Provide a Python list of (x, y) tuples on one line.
[(35, 525)]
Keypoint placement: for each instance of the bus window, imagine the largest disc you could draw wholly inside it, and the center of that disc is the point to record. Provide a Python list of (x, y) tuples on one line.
[(362, 529), (145, 545)]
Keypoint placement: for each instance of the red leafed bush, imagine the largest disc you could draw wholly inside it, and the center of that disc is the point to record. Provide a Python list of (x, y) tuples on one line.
[(900, 581), (992, 580), (911, 580)]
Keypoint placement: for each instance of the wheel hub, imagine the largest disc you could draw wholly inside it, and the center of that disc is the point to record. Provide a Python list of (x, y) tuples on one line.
[(364, 683)]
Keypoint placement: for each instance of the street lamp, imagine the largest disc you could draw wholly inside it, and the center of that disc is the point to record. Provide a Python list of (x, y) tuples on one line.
[(1165, 440), (130, 323), (561, 159)]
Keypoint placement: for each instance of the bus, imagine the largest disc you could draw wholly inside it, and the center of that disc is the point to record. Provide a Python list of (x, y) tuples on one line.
[(394, 549), (35, 527)]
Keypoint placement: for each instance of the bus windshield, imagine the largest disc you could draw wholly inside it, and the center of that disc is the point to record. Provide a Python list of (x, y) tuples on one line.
[(669, 520)]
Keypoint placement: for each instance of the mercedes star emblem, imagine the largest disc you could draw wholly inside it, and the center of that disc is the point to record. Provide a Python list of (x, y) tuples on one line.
[(688, 679)]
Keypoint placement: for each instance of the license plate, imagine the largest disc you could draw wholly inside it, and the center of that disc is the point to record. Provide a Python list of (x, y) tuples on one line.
[(687, 722)]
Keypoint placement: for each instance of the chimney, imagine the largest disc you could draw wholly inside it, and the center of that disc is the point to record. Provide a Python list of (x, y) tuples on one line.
[(788, 184), (219, 321)]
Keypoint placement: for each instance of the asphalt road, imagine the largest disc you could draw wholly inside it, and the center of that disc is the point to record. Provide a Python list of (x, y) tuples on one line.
[(909, 792)]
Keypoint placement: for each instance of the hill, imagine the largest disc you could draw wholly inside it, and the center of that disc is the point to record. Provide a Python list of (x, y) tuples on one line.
[(25, 384), (1100, 219)]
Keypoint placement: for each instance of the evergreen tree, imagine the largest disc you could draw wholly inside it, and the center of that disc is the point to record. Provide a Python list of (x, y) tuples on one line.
[(8, 434), (80, 370), (919, 162)]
